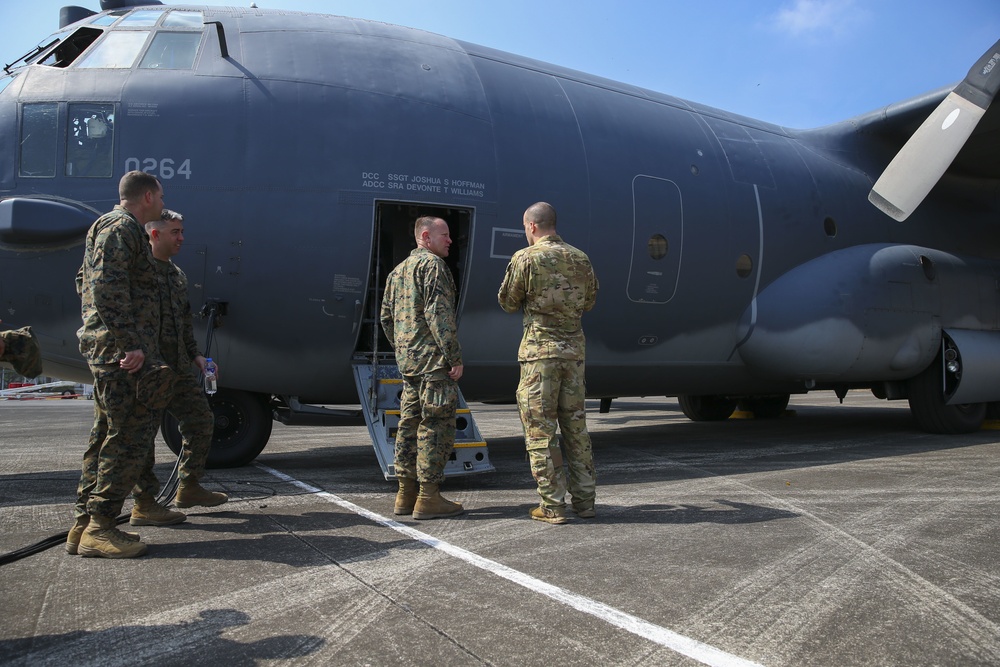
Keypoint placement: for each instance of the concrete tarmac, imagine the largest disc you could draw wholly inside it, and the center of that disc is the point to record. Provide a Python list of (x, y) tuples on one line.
[(839, 535)]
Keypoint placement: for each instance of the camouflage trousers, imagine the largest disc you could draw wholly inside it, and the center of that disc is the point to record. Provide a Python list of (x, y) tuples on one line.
[(196, 421), (425, 438), (551, 394), (120, 443)]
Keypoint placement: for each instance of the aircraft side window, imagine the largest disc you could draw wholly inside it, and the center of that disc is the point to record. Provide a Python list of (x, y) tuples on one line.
[(172, 50), (90, 140), (38, 140), (658, 246), (118, 49), (744, 265)]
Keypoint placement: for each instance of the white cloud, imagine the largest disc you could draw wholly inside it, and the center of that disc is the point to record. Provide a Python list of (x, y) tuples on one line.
[(811, 17)]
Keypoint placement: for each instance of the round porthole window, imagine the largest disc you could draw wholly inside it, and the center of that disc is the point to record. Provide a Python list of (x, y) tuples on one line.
[(744, 265), (658, 246)]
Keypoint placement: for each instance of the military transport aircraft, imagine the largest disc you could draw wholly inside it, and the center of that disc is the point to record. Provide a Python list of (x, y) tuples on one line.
[(739, 262)]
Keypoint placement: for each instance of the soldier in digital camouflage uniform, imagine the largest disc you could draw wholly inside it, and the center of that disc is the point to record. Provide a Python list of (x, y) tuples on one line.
[(418, 317), (188, 403), (20, 348), (120, 290), (554, 284)]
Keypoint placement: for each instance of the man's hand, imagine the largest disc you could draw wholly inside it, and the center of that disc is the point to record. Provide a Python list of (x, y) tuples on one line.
[(201, 362), (133, 361), (455, 373)]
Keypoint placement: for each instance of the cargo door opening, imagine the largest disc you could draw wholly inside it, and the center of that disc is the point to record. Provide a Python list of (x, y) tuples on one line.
[(393, 240)]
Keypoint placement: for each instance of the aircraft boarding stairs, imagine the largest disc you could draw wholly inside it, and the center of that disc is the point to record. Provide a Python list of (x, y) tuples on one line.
[(379, 388)]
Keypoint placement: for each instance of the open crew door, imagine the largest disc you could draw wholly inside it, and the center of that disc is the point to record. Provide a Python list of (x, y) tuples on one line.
[(376, 376)]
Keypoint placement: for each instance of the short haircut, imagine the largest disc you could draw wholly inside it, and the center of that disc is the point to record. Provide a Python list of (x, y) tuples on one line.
[(135, 184), (422, 223), (165, 216), (542, 214)]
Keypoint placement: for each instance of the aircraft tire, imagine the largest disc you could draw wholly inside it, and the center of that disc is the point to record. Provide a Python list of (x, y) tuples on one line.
[(707, 408), (242, 428), (930, 412), (765, 407)]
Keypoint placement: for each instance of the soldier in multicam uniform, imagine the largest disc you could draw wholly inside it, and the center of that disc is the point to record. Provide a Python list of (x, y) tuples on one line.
[(19, 348), (418, 317), (554, 284), (188, 403), (120, 290)]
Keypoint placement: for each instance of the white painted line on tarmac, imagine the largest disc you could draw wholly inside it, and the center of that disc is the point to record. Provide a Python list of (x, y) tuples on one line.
[(696, 650)]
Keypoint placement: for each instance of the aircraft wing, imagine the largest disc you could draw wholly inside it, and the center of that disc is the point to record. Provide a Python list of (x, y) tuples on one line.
[(895, 124)]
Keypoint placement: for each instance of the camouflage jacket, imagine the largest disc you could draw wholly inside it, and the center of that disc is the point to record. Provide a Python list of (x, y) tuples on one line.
[(119, 290), (554, 284), (418, 314), (177, 344)]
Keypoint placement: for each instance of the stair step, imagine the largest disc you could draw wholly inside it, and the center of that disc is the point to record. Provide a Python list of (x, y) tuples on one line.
[(471, 454)]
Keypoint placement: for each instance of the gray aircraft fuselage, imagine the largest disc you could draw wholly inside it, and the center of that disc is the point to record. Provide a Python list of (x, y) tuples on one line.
[(735, 258)]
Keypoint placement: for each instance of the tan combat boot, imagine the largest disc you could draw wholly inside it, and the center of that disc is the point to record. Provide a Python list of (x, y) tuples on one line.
[(76, 532), (431, 505), (102, 540), (406, 497), (148, 512), (548, 515), (190, 493)]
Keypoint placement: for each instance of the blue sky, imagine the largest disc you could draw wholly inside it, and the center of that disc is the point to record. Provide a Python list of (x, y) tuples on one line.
[(799, 63)]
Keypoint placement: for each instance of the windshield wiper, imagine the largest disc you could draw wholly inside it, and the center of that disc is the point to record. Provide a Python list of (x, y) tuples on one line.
[(30, 54)]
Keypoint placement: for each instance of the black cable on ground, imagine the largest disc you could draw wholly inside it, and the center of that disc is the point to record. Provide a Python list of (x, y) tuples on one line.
[(167, 491), (60, 538)]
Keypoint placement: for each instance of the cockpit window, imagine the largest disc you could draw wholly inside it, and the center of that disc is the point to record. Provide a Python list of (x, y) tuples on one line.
[(179, 19), (172, 50), (70, 48), (90, 144), (107, 19), (38, 140), (118, 50), (141, 18)]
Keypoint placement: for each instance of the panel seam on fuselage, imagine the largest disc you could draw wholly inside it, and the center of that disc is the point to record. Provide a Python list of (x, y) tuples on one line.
[(760, 266)]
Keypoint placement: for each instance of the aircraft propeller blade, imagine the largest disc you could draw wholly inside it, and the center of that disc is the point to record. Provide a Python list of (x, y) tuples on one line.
[(919, 165)]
